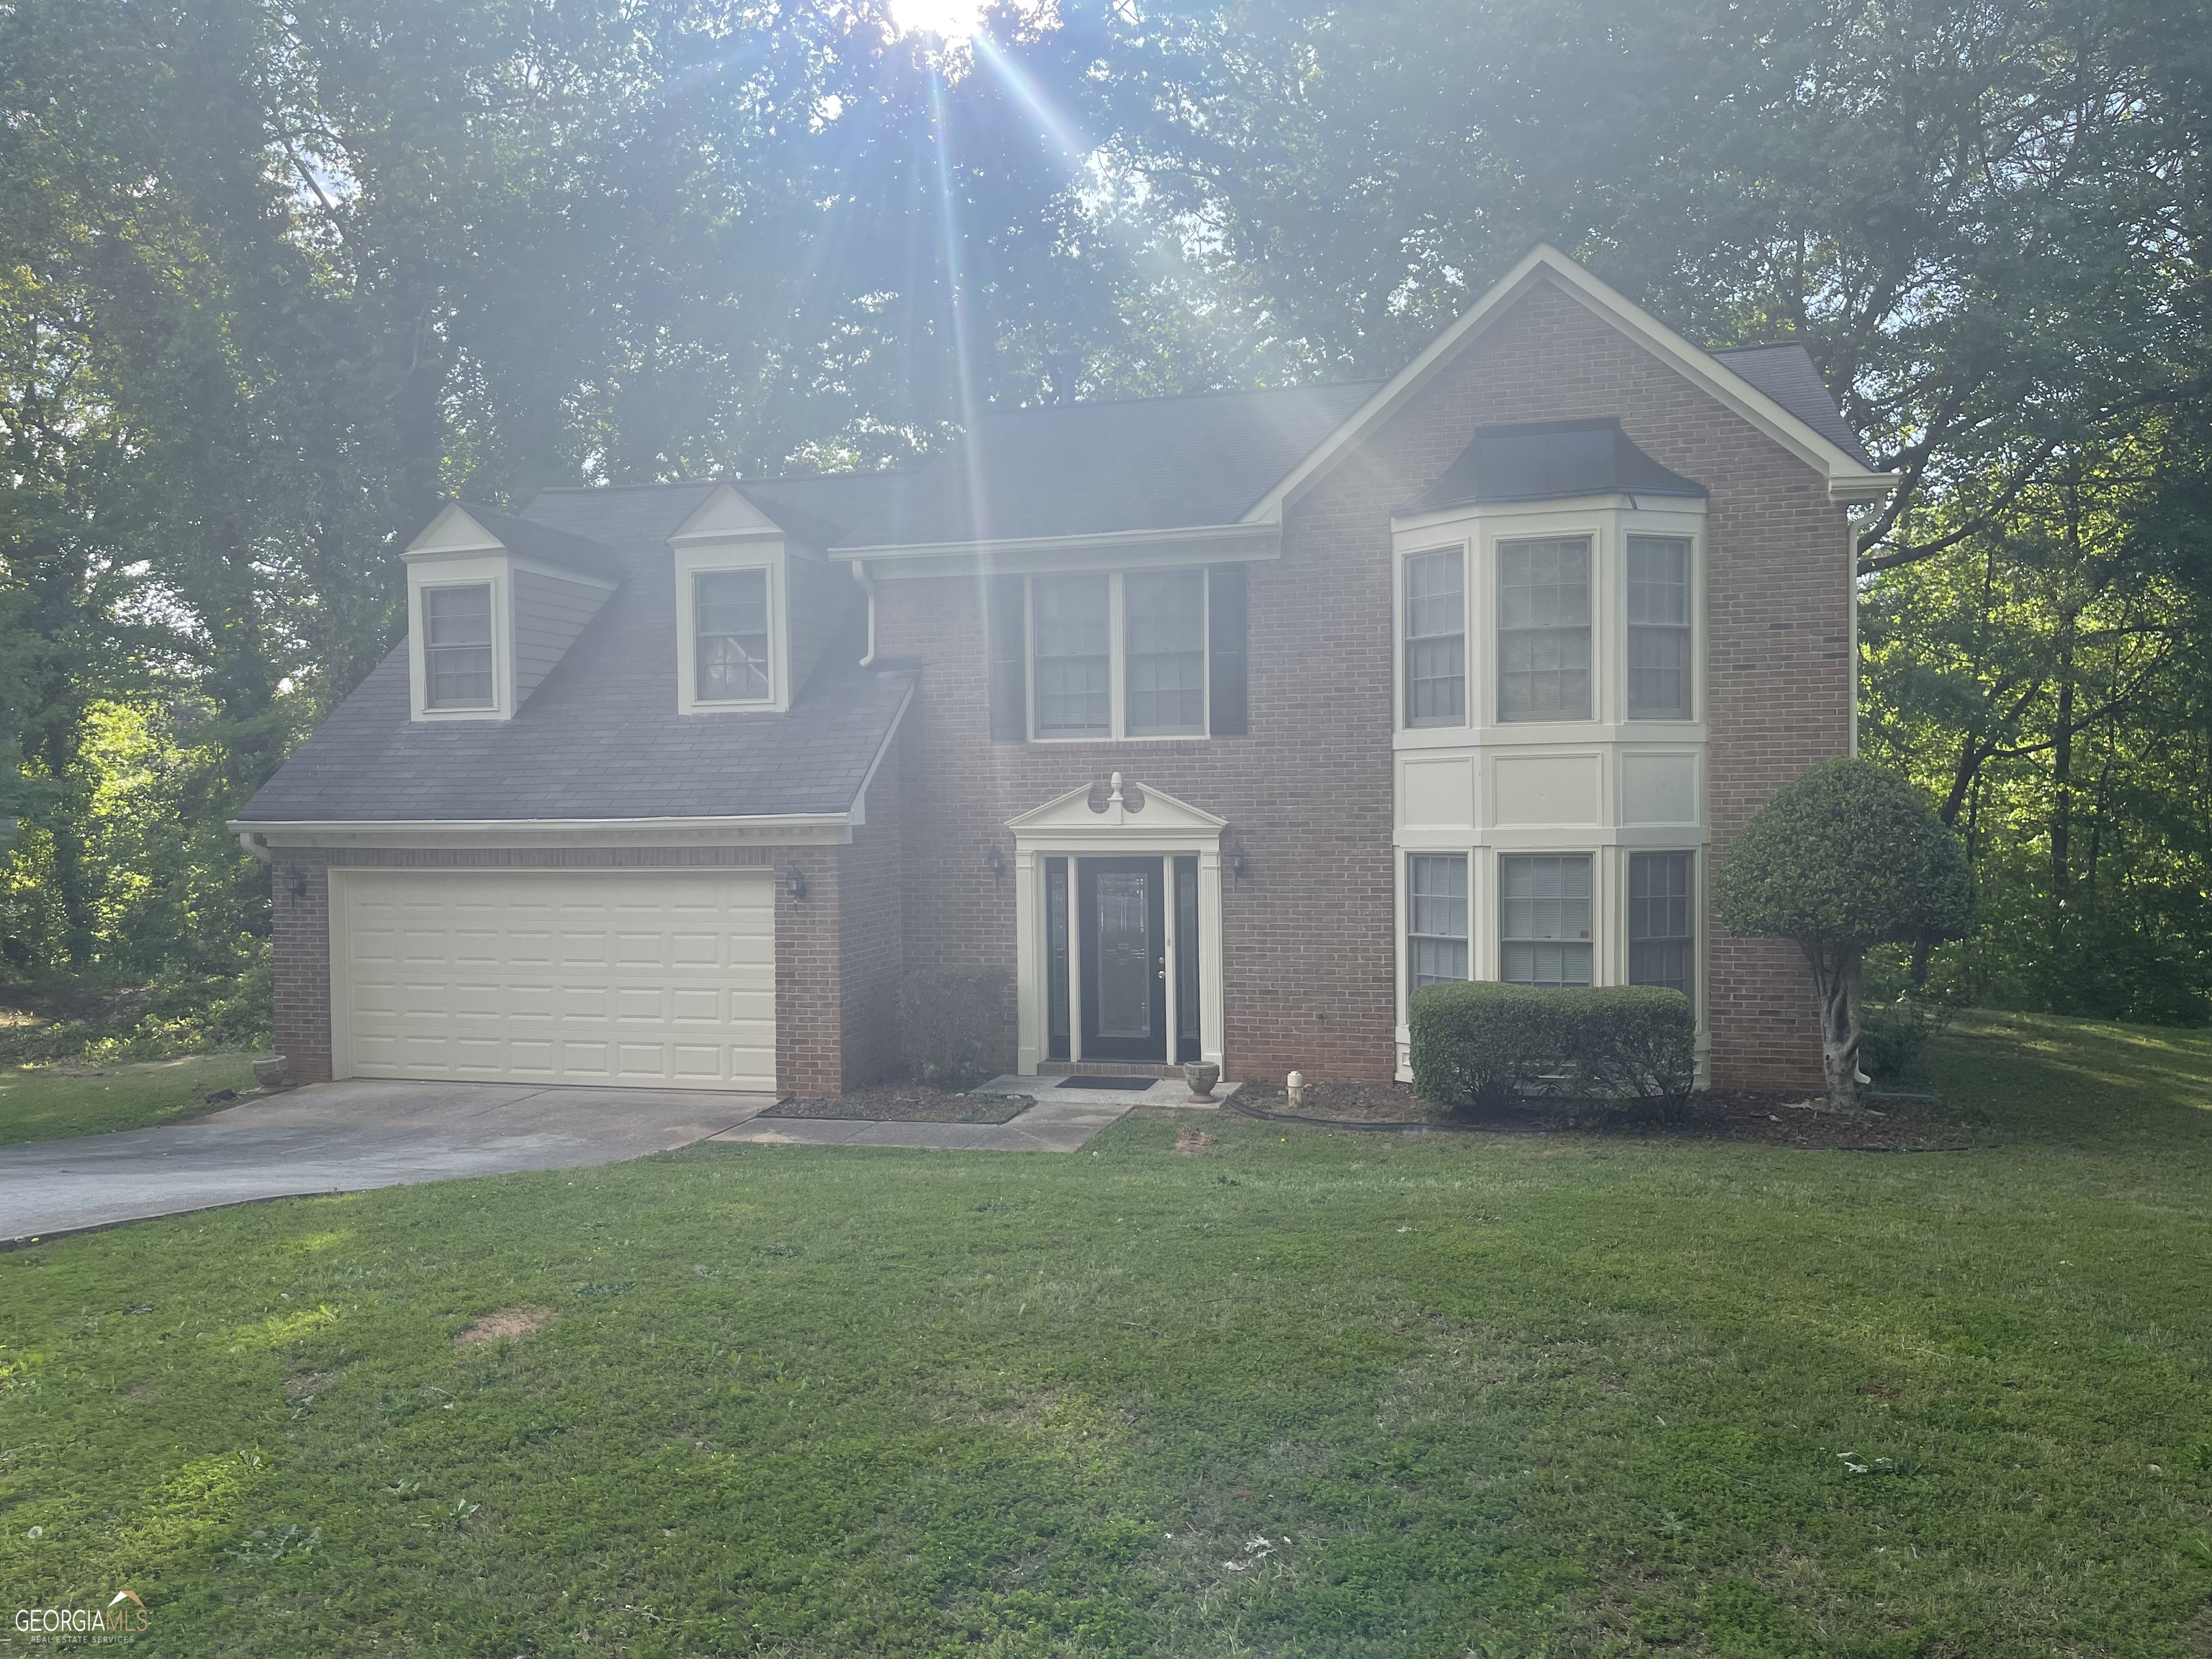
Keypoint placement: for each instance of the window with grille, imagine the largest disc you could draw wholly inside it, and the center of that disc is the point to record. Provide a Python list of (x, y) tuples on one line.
[(1544, 630), (456, 647), (1436, 638), (1660, 942), (730, 621), (1073, 639), (1435, 893), (1544, 920), (1164, 652), (1659, 636)]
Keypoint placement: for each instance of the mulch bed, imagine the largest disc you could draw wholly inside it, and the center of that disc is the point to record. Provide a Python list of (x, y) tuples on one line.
[(906, 1102), (1773, 1118)]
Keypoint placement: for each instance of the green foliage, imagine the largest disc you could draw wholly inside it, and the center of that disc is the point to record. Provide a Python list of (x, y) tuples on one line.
[(1483, 1045), (1494, 1393), (954, 1023), (52, 1101), (1848, 855)]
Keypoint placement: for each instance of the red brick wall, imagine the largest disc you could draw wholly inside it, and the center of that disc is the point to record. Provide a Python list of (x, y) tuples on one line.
[(1308, 932), (871, 915)]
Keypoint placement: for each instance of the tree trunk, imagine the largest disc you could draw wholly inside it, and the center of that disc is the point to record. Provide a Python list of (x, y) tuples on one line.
[(1836, 982)]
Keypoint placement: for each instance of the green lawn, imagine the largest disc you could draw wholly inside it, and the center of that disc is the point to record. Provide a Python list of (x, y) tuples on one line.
[(43, 1103), (1488, 1396)]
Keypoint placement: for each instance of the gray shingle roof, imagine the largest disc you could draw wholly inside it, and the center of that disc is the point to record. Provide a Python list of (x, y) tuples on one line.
[(1787, 374), (539, 541), (1550, 460), (600, 738), (1081, 469)]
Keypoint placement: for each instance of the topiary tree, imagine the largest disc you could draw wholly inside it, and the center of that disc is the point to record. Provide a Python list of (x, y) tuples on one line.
[(1846, 857)]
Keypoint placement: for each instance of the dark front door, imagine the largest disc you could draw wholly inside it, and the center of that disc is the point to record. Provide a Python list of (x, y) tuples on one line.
[(1125, 963)]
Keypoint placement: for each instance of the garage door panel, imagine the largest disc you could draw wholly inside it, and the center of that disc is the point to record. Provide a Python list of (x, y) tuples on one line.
[(662, 978)]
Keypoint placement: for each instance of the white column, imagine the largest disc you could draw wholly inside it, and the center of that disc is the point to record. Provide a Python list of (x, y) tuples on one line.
[(1211, 1040), (1030, 956)]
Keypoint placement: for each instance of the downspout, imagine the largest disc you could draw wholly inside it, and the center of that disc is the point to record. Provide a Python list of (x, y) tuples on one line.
[(868, 586), (256, 844)]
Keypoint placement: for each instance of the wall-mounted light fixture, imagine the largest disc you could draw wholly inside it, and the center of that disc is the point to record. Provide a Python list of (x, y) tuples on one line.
[(296, 882), (795, 884), (995, 861), (1234, 857)]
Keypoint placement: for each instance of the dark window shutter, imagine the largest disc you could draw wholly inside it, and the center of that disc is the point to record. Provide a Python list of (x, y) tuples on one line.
[(1226, 694), (1010, 691)]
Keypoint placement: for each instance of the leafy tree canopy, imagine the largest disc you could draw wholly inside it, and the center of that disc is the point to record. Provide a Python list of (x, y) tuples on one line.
[(1847, 856)]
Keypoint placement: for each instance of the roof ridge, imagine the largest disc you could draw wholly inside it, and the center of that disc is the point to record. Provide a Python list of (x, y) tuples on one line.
[(1176, 398)]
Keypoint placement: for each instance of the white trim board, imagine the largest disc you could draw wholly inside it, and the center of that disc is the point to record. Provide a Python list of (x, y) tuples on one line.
[(1848, 479)]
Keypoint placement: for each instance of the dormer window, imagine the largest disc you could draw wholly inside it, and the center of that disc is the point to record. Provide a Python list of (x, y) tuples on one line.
[(456, 647), (731, 648), (493, 603)]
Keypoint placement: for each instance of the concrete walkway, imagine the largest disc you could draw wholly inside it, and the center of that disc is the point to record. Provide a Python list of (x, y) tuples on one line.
[(345, 1137), (1062, 1121)]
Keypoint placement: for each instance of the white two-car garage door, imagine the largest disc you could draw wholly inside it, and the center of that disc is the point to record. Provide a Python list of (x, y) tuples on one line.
[(642, 978)]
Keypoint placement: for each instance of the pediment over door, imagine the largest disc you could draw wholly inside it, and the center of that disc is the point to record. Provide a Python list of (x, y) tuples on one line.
[(1118, 809)]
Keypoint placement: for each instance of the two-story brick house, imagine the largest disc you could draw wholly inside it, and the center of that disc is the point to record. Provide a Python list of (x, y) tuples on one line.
[(1219, 722)]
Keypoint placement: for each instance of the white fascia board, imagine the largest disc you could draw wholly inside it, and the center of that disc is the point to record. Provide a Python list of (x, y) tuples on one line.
[(1228, 543), (777, 829), (1700, 368)]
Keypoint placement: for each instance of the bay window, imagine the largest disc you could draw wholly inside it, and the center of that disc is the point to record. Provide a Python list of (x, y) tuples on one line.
[(1660, 939), (1544, 913), (1436, 638), (1435, 907), (1659, 628), (1544, 630)]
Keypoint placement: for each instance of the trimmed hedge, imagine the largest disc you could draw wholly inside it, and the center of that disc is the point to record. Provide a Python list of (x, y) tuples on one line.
[(1482, 1044)]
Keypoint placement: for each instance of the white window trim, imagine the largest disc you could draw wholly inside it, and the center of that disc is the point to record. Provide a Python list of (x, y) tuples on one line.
[(692, 562), (483, 570), (1167, 828), (1608, 522), (1117, 659), (1608, 852), (1469, 655)]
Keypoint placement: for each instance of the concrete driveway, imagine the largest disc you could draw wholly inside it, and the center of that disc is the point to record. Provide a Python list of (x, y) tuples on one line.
[(342, 1137)]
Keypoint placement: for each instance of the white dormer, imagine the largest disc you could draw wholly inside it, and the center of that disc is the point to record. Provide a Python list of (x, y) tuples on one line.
[(492, 605), (755, 609)]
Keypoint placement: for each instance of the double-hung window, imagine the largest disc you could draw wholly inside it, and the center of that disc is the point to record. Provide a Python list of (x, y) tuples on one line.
[(457, 657), (1436, 902), (1660, 938), (1073, 632), (730, 644), (1118, 655), (1163, 628), (1436, 638), (1544, 915), (1544, 630), (1658, 627)]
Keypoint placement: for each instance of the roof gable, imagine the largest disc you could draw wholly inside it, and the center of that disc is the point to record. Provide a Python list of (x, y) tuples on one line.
[(1849, 476)]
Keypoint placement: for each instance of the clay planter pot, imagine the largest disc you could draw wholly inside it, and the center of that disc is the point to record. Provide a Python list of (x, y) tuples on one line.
[(270, 1074), (1201, 1075)]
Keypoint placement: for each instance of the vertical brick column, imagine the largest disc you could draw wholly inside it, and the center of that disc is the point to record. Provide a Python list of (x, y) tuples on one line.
[(299, 953)]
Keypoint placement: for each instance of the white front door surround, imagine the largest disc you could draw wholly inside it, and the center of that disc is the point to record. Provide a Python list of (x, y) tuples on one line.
[(1158, 824)]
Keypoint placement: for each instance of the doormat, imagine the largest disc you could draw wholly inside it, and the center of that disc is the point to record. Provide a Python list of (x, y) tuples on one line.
[(1133, 1085)]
